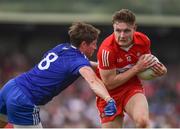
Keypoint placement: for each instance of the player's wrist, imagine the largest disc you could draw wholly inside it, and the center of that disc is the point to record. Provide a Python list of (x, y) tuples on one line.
[(136, 69), (108, 98)]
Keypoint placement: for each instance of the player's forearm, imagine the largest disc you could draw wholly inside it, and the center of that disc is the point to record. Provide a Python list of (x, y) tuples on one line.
[(95, 83), (99, 89), (121, 78)]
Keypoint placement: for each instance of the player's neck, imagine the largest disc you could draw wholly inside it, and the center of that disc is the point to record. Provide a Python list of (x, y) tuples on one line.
[(126, 48)]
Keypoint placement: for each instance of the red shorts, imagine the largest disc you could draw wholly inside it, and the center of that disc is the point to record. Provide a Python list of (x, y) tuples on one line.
[(121, 95)]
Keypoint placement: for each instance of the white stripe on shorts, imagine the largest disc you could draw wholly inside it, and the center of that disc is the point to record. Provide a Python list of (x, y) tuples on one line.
[(35, 115)]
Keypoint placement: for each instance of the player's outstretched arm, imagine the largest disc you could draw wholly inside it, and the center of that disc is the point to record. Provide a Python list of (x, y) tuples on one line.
[(99, 89), (95, 83)]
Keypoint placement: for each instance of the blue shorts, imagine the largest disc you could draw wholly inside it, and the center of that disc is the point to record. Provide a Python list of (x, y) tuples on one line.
[(17, 106)]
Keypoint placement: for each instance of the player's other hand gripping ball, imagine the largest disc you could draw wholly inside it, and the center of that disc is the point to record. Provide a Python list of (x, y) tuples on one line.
[(148, 74), (110, 108)]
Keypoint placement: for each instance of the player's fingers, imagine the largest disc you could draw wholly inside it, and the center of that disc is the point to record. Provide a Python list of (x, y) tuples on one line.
[(146, 56), (150, 61), (162, 68), (158, 69), (142, 57)]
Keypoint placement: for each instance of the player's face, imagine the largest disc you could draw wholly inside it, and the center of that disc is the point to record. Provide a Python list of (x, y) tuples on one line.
[(123, 33), (90, 48)]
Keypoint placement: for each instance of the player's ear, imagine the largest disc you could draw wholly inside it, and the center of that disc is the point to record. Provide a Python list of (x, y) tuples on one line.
[(83, 44)]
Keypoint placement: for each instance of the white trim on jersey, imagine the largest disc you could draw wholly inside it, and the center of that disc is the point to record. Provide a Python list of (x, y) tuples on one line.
[(105, 56)]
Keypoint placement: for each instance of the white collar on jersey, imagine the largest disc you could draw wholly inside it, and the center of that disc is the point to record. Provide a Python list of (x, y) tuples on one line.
[(80, 51), (73, 47), (126, 48)]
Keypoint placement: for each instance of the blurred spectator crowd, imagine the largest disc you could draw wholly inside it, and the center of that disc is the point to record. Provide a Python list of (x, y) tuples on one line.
[(76, 107)]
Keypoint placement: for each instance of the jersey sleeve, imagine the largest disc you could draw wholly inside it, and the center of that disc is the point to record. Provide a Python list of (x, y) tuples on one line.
[(78, 63), (106, 59), (148, 44)]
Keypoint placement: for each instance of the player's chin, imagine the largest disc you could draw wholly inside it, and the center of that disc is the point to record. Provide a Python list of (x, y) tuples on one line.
[(89, 55), (122, 43)]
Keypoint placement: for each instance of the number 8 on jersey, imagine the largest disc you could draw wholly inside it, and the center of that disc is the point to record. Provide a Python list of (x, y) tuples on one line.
[(47, 60)]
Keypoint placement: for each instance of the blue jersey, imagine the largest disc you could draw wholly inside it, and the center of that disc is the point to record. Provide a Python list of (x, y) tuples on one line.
[(58, 69)]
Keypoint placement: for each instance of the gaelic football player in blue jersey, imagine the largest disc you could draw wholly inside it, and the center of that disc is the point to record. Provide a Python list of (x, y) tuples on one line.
[(58, 68)]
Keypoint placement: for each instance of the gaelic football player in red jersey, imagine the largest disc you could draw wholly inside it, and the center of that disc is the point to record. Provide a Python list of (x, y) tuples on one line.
[(121, 56)]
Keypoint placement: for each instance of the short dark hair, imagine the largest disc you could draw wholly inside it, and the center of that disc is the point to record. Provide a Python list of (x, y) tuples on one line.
[(124, 15), (81, 31)]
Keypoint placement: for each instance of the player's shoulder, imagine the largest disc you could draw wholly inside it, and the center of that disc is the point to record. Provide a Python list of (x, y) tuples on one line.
[(70, 53), (107, 43), (62, 46), (108, 47), (141, 38), (65, 49)]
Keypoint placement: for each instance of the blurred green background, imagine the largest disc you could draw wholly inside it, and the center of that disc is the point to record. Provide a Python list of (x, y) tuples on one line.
[(149, 12), (150, 7)]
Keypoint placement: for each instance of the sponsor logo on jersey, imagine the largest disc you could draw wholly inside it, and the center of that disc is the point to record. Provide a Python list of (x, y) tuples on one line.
[(124, 69)]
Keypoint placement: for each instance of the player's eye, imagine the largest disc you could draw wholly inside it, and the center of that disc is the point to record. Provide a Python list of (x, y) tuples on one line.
[(118, 30), (127, 30)]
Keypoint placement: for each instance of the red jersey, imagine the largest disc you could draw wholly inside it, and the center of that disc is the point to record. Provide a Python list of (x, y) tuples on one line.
[(110, 55)]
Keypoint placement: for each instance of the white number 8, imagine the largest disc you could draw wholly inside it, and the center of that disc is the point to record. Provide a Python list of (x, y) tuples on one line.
[(47, 60)]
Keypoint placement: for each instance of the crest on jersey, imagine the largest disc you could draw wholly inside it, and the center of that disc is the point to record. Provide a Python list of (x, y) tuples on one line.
[(128, 58)]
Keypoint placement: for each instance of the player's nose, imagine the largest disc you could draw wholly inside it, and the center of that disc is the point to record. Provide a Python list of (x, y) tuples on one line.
[(121, 35)]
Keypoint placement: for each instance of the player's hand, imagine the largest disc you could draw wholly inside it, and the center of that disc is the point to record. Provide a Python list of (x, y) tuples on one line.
[(146, 61), (110, 108), (159, 69)]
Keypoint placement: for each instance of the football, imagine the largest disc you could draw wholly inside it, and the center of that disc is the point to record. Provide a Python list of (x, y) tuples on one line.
[(148, 74)]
